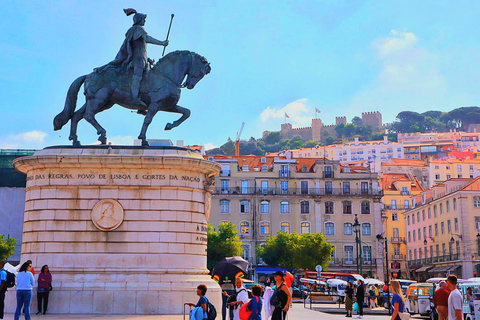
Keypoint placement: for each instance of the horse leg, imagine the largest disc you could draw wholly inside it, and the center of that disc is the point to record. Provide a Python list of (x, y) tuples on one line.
[(94, 106), (151, 112), (177, 109), (77, 116)]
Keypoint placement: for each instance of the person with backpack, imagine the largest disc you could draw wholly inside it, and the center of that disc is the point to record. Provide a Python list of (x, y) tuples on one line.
[(25, 283), (199, 311), (255, 304), (241, 297), (281, 298), (3, 287)]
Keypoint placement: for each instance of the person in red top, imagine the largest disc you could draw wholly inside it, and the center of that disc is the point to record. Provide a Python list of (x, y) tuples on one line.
[(440, 300)]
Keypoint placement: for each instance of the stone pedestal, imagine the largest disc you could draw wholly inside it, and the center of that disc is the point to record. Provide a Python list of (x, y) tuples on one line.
[(123, 230)]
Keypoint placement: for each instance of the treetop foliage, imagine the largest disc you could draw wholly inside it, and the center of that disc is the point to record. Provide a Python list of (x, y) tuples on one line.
[(7, 248), (222, 244)]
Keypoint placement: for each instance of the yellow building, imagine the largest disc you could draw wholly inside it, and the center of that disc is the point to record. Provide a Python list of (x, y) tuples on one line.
[(442, 170), (397, 189), (265, 195)]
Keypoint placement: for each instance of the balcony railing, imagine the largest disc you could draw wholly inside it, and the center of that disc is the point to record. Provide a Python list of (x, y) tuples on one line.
[(328, 174), (444, 258), (397, 240), (395, 207), (298, 191), (398, 257)]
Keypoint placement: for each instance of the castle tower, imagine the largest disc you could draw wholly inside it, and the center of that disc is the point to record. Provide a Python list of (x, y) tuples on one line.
[(373, 119), (286, 131), (317, 127), (339, 120)]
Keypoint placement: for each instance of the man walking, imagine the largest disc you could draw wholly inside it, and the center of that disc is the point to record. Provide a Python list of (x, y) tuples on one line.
[(360, 297), (455, 306), (440, 300), (3, 287)]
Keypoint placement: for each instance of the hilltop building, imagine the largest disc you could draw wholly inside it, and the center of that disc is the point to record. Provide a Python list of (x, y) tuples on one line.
[(319, 131), (265, 195)]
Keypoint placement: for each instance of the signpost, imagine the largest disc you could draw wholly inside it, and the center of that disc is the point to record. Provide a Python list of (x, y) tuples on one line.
[(319, 269)]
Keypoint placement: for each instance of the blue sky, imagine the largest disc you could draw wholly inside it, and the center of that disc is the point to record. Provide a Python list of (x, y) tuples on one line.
[(267, 58)]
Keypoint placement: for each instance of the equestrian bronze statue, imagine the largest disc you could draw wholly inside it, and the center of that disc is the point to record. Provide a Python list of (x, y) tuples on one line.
[(135, 82)]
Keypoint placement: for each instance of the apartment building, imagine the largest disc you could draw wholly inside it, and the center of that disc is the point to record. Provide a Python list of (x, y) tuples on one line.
[(419, 169), (442, 170), (443, 230), (397, 190), (265, 195)]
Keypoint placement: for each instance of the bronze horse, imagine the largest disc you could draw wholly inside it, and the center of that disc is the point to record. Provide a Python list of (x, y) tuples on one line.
[(160, 91)]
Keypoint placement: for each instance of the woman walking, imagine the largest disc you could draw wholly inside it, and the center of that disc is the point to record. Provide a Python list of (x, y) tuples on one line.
[(44, 287), (349, 300), (25, 283), (398, 302)]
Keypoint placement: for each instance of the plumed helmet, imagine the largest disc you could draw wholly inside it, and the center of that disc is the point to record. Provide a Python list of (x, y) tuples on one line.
[(137, 17)]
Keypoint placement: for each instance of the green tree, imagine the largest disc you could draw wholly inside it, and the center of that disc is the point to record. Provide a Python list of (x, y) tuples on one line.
[(339, 129), (294, 251), (357, 121), (349, 129), (273, 137), (329, 140), (7, 248), (222, 244)]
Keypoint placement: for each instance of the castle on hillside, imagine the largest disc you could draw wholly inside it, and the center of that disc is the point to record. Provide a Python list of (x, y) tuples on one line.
[(319, 132)]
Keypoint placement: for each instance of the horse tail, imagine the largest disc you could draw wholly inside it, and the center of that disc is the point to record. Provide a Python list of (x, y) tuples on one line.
[(70, 104)]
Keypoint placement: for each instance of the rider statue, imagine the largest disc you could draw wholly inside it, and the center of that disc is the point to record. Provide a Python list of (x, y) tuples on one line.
[(133, 53)]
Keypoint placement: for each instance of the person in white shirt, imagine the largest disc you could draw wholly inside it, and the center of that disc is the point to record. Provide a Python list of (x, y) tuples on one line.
[(242, 297), (455, 300), (25, 283)]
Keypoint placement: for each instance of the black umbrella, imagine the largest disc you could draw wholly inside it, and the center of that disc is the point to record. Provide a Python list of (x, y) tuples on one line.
[(229, 268)]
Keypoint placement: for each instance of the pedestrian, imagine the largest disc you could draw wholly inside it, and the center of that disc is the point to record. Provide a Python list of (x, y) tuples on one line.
[(25, 283), (371, 295), (440, 300), (255, 304), (228, 289), (470, 299), (455, 300), (360, 297), (242, 297), (280, 311), (3, 287), (349, 299), (43, 290), (199, 311), (398, 302)]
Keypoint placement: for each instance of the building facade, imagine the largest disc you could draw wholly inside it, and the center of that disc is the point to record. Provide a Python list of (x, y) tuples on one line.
[(443, 230), (265, 195)]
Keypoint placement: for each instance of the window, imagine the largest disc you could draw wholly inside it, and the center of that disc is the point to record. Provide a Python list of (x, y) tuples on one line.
[(365, 207), (364, 187), (264, 187), (366, 229), (418, 216), (449, 226), (244, 186), (455, 224), (284, 171), (394, 204), (437, 249), (367, 254), (459, 167), (447, 205), (454, 204), (327, 172), (348, 229), (408, 220), (442, 227), (429, 213), (441, 208), (476, 202), (347, 207), (329, 207), (419, 234), (409, 237), (305, 207), (329, 228), (244, 206), (284, 187), (414, 236), (348, 254), (225, 186), (304, 187), (285, 227), (224, 206), (424, 232), (265, 227), (246, 251), (304, 169), (471, 168), (406, 204), (284, 207), (415, 254), (346, 188), (328, 187), (437, 177), (264, 168), (305, 227), (264, 207), (396, 232), (430, 231), (436, 229), (423, 215), (244, 227), (435, 211), (263, 160), (245, 168), (404, 191), (394, 216), (396, 249)]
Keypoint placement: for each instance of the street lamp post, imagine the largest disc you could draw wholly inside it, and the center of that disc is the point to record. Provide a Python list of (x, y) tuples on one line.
[(358, 243), (387, 275)]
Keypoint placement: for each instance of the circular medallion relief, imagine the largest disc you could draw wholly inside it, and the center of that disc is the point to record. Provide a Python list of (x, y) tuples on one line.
[(107, 215)]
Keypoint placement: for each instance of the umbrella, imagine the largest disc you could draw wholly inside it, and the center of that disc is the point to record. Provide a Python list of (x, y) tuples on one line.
[(229, 268)]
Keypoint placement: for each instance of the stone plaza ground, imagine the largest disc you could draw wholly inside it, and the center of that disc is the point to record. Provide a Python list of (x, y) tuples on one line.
[(297, 312)]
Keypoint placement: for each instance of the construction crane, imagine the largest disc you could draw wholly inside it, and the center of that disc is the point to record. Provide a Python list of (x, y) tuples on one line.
[(237, 141)]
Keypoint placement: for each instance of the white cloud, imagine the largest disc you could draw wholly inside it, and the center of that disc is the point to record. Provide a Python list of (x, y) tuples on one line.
[(396, 45), (25, 140), (121, 140), (209, 146), (300, 114)]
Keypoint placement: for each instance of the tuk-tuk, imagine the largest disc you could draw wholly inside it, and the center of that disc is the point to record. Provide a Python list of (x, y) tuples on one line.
[(418, 298), (337, 287), (471, 311)]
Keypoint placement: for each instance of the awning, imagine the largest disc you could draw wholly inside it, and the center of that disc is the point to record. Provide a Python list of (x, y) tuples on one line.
[(453, 268), (440, 269), (414, 268), (268, 271), (424, 268)]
